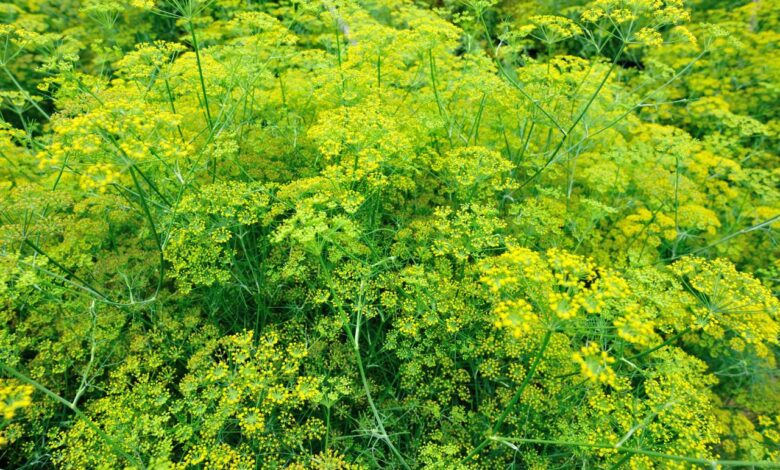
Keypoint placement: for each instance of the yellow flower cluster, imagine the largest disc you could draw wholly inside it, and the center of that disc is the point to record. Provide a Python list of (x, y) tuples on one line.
[(99, 176), (595, 364), (534, 290), (658, 11), (731, 304), (635, 327), (13, 398), (550, 29), (516, 315), (199, 248), (214, 455)]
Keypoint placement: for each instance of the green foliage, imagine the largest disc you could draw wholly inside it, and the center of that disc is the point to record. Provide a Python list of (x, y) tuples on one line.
[(389, 234)]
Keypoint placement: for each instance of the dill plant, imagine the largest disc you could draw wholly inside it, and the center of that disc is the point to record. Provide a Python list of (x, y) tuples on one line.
[(389, 234)]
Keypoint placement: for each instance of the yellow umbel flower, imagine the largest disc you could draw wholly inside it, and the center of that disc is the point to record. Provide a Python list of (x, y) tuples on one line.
[(634, 327), (14, 397), (595, 364), (517, 316)]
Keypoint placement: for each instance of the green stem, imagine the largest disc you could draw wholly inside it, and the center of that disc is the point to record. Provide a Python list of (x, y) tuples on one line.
[(173, 107), (25, 93), (656, 348), (327, 427), (516, 397), (502, 71), (526, 381), (641, 354), (111, 443), (565, 137), (371, 404), (84, 284), (710, 463), (743, 231), (157, 240), (355, 341), (200, 75), (439, 105)]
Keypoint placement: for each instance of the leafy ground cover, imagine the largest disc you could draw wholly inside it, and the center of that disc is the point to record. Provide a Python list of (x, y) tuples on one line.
[(389, 234)]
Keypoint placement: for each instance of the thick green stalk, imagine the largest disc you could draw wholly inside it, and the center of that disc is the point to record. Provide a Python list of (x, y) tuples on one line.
[(374, 410)]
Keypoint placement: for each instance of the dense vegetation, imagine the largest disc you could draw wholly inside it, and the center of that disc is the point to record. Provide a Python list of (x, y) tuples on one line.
[(389, 234)]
